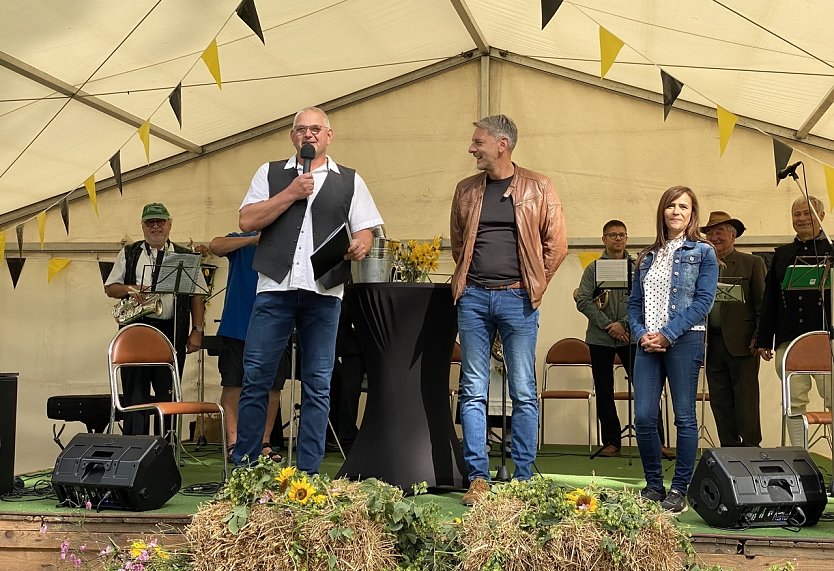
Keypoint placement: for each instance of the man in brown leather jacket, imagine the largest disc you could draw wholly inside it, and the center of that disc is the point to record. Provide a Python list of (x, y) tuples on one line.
[(508, 239)]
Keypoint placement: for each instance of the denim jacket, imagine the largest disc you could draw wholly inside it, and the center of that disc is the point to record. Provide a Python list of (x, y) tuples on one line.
[(694, 281)]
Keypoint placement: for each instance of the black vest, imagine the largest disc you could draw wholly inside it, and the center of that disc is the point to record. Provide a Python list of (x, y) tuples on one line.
[(276, 248), (183, 316)]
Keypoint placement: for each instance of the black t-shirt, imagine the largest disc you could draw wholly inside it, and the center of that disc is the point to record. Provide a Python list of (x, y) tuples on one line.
[(495, 255)]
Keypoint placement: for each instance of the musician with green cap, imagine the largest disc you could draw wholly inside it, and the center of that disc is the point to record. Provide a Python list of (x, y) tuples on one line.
[(134, 272)]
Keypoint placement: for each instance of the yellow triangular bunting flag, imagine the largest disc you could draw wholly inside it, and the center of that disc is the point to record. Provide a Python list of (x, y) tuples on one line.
[(145, 137), (41, 226), (2, 245), (55, 266), (609, 46), (829, 184), (587, 258), (90, 184), (212, 61), (726, 124)]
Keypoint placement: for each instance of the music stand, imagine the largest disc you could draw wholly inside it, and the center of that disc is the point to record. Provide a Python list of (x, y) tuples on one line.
[(617, 274), (179, 274)]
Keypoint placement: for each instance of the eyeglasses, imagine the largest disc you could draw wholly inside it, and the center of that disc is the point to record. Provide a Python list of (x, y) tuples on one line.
[(617, 235), (159, 223), (314, 129)]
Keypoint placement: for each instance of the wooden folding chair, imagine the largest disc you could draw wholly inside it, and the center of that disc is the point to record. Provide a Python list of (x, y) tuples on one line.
[(140, 345), (568, 352)]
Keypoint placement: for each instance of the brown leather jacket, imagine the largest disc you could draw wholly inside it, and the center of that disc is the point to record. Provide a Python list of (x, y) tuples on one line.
[(542, 239)]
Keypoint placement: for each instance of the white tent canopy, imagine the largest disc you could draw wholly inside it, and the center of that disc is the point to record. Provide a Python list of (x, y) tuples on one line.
[(78, 78)]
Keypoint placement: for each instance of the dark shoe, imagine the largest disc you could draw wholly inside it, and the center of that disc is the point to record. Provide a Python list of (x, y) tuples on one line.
[(675, 502), (653, 495), (478, 490), (266, 450), (608, 451), (668, 453)]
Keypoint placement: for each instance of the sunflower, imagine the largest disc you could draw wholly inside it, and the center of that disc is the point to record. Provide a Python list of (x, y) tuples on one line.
[(301, 491), (582, 501), (284, 476), (319, 499)]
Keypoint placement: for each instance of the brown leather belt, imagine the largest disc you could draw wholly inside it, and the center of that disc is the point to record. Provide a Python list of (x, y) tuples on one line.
[(514, 285)]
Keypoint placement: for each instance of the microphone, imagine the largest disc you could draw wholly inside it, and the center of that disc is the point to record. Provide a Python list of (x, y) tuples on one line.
[(789, 170), (308, 153)]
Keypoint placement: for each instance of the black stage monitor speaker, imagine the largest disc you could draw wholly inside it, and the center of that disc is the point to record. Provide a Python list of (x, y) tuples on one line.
[(8, 419), (135, 473), (757, 487)]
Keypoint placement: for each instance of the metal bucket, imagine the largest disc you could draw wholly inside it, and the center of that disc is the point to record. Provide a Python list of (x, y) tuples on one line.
[(378, 264)]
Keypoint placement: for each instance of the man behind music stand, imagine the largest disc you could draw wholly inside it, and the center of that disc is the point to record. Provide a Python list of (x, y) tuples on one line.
[(788, 312), (604, 303), (732, 365), (133, 275)]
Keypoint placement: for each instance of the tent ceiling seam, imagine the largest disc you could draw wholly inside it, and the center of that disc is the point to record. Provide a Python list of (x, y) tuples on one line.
[(38, 76)]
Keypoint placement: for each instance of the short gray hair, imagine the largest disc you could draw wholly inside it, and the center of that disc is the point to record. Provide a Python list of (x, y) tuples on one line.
[(816, 202), (317, 110), (500, 127)]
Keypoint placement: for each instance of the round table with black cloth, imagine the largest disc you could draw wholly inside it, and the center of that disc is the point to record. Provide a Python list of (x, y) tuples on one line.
[(405, 333)]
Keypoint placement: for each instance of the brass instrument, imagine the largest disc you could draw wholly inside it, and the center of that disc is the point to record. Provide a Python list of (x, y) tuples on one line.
[(129, 310), (497, 348), (601, 301)]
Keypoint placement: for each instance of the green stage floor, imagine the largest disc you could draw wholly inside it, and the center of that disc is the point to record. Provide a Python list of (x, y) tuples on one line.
[(570, 465)]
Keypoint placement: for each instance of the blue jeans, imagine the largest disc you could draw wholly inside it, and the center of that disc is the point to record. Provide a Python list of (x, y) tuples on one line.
[(480, 313), (680, 364), (316, 317)]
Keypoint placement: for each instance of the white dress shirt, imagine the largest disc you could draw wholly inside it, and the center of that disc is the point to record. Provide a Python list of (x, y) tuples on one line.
[(363, 214)]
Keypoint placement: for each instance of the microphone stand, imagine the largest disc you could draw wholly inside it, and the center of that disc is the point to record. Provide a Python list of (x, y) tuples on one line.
[(502, 474), (791, 171)]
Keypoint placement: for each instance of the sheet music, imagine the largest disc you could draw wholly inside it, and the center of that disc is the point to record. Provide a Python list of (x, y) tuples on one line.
[(612, 274), (172, 280)]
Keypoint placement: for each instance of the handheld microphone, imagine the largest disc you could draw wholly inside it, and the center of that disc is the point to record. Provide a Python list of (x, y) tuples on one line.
[(308, 153), (789, 170)]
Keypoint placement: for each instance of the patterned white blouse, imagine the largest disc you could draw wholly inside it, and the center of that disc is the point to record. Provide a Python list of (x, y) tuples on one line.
[(658, 284)]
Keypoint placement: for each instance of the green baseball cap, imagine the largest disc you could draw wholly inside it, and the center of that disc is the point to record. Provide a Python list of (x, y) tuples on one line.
[(155, 211)]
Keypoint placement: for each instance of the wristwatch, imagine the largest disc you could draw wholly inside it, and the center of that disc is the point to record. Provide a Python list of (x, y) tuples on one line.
[(197, 328)]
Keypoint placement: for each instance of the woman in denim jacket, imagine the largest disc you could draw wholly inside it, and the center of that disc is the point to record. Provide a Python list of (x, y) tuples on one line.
[(672, 293)]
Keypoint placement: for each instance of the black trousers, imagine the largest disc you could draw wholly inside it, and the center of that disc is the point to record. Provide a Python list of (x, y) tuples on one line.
[(137, 383), (734, 394), (602, 367)]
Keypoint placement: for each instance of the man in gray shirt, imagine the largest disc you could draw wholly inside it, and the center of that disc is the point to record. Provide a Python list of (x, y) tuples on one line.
[(607, 335)]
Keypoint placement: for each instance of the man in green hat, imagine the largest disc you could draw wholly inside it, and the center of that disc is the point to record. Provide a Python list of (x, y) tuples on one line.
[(134, 272)]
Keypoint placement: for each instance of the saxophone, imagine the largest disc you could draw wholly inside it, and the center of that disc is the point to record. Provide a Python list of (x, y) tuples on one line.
[(129, 310)]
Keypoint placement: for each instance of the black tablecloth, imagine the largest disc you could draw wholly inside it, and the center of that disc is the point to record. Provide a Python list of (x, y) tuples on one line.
[(406, 333)]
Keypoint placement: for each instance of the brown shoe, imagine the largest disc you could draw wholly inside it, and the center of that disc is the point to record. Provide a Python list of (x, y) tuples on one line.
[(608, 451), (478, 490), (667, 453)]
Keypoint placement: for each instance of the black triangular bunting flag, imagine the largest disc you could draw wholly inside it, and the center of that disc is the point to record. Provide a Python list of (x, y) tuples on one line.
[(116, 165), (249, 15), (15, 267), (671, 89), (549, 8), (781, 155), (105, 268), (65, 214), (175, 99)]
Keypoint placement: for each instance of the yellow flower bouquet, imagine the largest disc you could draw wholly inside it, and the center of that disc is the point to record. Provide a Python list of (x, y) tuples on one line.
[(416, 258)]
